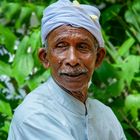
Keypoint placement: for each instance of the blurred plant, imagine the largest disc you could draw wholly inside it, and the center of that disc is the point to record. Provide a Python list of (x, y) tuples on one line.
[(20, 69), (116, 82)]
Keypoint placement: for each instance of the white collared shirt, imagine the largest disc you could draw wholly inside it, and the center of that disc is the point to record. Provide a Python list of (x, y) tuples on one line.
[(50, 113)]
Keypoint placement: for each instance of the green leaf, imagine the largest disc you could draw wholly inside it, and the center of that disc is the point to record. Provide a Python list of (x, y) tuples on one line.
[(12, 10), (35, 41), (126, 46), (5, 108), (34, 45), (39, 11), (24, 17), (98, 93), (132, 15), (22, 50), (130, 66), (110, 12), (115, 88), (5, 69), (111, 50), (106, 71), (131, 18), (138, 125), (6, 126), (132, 104), (23, 68), (1, 85), (38, 78), (7, 38)]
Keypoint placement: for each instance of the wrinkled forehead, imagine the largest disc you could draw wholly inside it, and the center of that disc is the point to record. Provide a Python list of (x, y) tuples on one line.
[(70, 34), (68, 30)]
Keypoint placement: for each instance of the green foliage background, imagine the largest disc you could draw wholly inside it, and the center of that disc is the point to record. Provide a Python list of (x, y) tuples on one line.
[(116, 82)]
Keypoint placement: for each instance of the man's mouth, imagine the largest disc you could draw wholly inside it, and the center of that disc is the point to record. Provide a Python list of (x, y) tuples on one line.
[(73, 72)]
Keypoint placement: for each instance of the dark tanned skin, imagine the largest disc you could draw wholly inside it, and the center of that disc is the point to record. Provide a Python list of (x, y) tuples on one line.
[(72, 56)]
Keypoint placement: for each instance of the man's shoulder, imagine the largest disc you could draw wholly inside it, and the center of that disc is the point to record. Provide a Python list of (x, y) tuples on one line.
[(36, 102), (103, 114), (97, 104), (104, 120), (101, 110)]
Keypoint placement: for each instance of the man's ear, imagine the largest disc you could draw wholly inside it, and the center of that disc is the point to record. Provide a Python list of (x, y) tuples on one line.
[(100, 56), (42, 54)]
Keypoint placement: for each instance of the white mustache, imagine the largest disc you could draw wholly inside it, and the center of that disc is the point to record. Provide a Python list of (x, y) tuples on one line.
[(72, 71)]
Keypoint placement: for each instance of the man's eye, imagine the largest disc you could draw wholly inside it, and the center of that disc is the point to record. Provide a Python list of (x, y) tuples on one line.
[(83, 47), (61, 45)]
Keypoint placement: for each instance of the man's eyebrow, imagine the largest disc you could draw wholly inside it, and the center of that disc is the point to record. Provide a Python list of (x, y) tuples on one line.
[(80, 38), (86, 39), (59, 39)]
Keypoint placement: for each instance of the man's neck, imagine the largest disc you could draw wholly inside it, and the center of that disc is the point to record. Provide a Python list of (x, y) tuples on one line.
[(81, 96)]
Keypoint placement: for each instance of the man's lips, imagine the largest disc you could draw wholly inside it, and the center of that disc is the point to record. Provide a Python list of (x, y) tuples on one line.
[(72, 74)]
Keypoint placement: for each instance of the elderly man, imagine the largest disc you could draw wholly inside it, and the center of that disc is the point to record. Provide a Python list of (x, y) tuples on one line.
[(59, 109)]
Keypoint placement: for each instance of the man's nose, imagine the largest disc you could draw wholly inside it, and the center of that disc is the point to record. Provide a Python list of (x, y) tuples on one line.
[(72, 57)]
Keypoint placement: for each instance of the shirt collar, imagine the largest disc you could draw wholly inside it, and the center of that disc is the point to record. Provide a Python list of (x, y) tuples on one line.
[(65, 99)]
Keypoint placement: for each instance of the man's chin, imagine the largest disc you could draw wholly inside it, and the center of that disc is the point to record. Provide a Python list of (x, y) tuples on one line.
[(74, 87), (72, 83)]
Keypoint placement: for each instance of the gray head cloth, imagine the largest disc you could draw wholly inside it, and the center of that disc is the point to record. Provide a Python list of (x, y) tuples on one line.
[(64, 12)]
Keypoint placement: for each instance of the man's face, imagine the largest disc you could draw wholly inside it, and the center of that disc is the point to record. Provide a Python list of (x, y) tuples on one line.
[(72, 56)]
